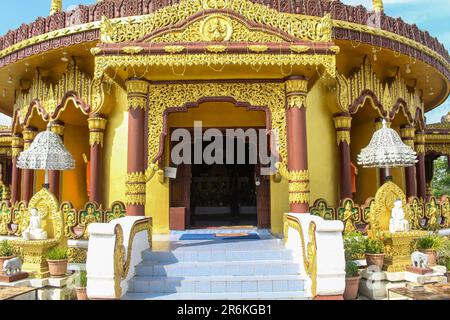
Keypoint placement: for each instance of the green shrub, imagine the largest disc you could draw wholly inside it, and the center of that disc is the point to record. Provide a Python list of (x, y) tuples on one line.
[(351, 269), (431, 242), (6, 250), (354, 246), (82, 279), (57, 254), (374, 246)]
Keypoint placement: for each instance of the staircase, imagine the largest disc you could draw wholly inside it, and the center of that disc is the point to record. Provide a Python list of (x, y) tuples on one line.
[(219, 269)]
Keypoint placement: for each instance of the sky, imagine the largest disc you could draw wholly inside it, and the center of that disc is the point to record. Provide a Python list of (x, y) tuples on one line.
[(431, 15)]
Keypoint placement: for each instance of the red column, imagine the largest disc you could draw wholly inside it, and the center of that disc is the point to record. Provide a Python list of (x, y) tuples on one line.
[(54, 176), (135, 187), (29, 134), (16, 146), (97, 126), (296, 89), (342, 123), (407, 133), (420, 166)]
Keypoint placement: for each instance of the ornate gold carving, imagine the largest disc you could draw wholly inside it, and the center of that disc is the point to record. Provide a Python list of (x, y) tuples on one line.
[(321, 209), (136, 177), (309, 250), (343, 136), (58, 129), (297, 101), (173, 49), (216, 27), (49, 95), (302, 27), (162, 97), (385, 197), (241, 33), (299, 48), (349, 214), (132, 49), (438, 148), (16, 146), (97, 127), (77, 255), (388, 94), (122, 262), (258, 48), (217, 48), (137, 94), (95, 51), (34, 252), (135, 188), (297, 86), (262, 59)]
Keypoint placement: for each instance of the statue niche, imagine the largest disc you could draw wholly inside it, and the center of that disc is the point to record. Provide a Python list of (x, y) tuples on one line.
[(389, 223), (42, 229)]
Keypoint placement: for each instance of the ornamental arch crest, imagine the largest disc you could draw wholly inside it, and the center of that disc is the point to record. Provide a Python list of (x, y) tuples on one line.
[(172, 97)]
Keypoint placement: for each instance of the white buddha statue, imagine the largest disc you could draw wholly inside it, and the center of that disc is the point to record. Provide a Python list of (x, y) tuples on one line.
[(398, 223), (34, 230)]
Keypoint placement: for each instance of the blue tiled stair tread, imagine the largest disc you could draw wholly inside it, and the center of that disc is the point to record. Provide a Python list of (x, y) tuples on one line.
[(213, 236)]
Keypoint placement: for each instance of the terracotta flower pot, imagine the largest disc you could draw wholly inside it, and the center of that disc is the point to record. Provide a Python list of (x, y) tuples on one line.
[(374, 259), (432, 256), (351, 288), (3, 259), (57, 268), (81, 294)]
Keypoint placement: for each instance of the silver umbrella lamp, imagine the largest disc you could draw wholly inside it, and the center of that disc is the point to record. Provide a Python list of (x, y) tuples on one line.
[(46, 152), (387, 150)]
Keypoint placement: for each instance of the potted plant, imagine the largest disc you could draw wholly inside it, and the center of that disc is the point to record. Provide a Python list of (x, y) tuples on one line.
[(429, 245), (354, 248), (444, 256), (375, 253), (57, 262), (82, 284), (6, 252)]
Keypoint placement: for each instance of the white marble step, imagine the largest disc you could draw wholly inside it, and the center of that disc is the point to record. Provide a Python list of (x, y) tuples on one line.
[(285, 295), (221, 268), (242, 254), (222, 284)]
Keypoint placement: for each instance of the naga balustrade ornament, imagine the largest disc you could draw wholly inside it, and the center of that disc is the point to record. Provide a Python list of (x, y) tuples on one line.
[(387, 150), (47, 152)]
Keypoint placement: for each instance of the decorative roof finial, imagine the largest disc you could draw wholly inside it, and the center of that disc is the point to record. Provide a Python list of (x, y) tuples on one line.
[(377, 6), (56, 6)]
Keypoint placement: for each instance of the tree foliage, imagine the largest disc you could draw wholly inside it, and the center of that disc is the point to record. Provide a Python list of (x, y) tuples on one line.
[(441, 177)]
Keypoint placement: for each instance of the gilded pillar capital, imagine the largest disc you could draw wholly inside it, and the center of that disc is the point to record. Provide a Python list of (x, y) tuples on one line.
[(97, 126), (137, 91), (407, 134), (343, 125), (58, 128), (419, 141), (296, 90), (29, 133), (16, 145)]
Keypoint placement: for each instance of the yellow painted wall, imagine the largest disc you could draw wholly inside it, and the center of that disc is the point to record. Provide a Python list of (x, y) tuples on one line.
[(279, 205), (115, 151), (323, 156), (367, 180), (73, 182)]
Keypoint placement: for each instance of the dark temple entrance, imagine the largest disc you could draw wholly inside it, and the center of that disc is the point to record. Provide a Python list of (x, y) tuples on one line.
[(220, 195)]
